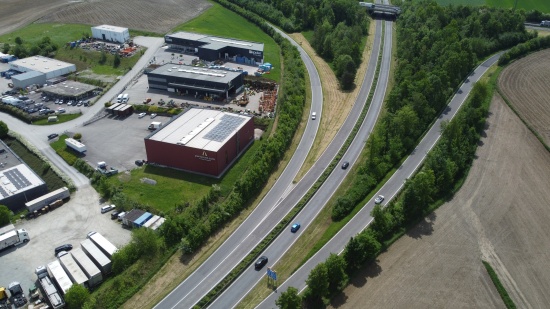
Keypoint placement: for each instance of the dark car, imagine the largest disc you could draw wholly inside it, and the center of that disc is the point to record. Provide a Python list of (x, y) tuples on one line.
[(139, 162), (261, 262), (295, 227), (65, 247), (114, 214), (52, 136), (345, 165)]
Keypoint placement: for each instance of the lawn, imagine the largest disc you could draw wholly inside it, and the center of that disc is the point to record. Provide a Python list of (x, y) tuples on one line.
[(60, 119), (541, 5), (63, 151), (225, 23)]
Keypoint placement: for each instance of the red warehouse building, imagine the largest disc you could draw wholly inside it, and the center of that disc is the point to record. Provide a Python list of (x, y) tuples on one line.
[(201, 141)]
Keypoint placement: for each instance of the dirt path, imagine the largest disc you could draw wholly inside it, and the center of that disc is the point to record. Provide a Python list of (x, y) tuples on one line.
[(501, 214)]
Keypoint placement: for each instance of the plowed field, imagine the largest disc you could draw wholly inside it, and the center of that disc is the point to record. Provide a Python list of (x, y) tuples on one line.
[(526, 85), (501, 215)]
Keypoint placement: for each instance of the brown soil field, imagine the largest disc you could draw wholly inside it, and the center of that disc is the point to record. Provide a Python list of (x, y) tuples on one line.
[(500, 215), (15, 14), (525, 85)]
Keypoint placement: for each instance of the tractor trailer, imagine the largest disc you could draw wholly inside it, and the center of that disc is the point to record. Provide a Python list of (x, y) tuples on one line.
[(57, 273), (13, 238), (48, 288), (73, 270), (100, 259), (103, 244), (88, 267)]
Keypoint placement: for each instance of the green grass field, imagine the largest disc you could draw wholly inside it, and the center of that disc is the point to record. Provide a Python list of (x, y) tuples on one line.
[(60, 118), (541, 5), (225, 23)]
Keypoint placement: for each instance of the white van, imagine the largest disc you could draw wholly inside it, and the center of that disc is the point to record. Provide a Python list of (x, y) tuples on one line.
[(314, 115), (119, 98), (125, 98)]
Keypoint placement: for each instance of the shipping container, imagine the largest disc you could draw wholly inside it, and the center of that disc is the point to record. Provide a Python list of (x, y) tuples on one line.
[(100, 259), (73, 270), (88, 267), (103, 244)]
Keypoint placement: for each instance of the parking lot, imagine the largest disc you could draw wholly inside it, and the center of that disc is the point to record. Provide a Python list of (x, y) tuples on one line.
[(68, 224)]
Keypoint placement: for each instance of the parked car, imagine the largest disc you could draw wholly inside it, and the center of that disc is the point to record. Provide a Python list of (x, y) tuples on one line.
[(141, 115), (114, 214), (65, 247), (153, 115), (295, 227), (107, 208), (52, 136), (379, 199), (261, 262), (121, 216), (79, 103), (61, 110), (345, 165)]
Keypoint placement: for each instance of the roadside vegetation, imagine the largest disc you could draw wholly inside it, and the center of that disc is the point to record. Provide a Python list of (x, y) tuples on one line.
[(335, 29), (500, 288), (542, 5)]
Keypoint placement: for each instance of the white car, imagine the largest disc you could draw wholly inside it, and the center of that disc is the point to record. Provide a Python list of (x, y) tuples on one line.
[(107, 208), (153, 116), (379, 199), (141, 115)]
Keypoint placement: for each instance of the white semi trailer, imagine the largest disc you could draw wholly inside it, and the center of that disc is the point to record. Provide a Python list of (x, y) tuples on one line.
[(88, 267), (57, 273), (73, 270), (100, 259), (103, 244)]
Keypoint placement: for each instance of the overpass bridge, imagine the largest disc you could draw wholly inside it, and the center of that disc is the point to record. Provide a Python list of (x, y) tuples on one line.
[(381, 9)]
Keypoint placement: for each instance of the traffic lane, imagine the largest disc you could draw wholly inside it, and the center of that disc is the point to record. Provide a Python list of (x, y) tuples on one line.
[(394, 184)]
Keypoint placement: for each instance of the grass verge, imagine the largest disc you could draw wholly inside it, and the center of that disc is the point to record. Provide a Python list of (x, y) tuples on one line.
[(60, 119), (508, 302)]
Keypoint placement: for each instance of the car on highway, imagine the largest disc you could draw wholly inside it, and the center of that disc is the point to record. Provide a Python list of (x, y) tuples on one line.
[(345, 165), (379, 199), (107, 208), (65, 247), (52, 136), (313, 115), (295, 227), (141, 115), (261, 262)]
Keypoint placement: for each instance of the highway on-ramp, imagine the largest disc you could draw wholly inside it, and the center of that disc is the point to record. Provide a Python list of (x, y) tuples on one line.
[(390, 189)]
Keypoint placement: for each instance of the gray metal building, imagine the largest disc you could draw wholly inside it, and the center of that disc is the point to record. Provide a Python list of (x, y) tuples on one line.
[(28, 78)]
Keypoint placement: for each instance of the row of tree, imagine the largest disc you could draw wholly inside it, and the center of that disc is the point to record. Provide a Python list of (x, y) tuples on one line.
[(338, 26), (44, 47), (523, 49), (437, 47)]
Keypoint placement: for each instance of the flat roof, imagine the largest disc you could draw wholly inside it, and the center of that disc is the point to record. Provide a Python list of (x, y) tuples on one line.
[(17, 179), (111, 28), (203, 129), (41, 64), (197, 73), (216, 39), (26, 75), (69, 88)]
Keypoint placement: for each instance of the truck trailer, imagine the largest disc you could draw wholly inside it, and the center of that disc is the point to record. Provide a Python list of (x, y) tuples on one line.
[(48, 288), (47, 199), (75, 145), (14, 238), (88, 267), (100, 259), (73, 270), (103, 244), (56, 272), (8, 228)]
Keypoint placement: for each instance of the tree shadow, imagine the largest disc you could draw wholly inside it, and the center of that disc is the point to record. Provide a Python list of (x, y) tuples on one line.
[(423, 228), (359, 279)]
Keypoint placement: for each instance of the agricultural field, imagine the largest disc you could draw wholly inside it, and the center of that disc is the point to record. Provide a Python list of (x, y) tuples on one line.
[(499, 215), (525, 85), (541, 5)]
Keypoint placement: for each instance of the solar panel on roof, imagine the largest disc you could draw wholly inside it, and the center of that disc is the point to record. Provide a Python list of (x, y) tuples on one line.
[(17, 179), (3, 192), (222, 130)]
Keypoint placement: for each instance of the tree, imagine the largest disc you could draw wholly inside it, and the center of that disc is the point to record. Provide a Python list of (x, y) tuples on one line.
[(6, 48), (77, 136), (3, 129), (76, 296), (146, 241), (317, 287), (337, 277), (116, 61), (18, 41), (5, 215), (361, 249), (289, 299)]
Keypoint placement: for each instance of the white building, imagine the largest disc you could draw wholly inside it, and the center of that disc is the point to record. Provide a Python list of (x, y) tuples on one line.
[(111, 33), (50, 67)]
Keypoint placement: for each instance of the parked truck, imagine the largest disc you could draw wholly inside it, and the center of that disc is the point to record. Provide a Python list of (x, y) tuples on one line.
[(73, 270), (13, 238), (154, 125), (4, 298), (101, 260), (103, 244), (17, 296), (8, 228), (56, 272), (48, 288), (75, 145), (88, 267)]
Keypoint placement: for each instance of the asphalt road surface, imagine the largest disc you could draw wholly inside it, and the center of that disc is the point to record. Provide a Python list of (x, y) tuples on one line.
[(240, 287), (392, 187)]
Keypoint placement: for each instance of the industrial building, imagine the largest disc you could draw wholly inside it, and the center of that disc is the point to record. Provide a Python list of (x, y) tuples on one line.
[(111, 33), (211, 48), (18, 183), (195, 81), (69, 90), (26, 79), (201, 141), (49, 67)]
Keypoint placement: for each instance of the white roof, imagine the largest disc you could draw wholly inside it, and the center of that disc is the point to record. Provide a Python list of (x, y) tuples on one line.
[(41, 64), (111, 28), (17, 179), (203, 129)]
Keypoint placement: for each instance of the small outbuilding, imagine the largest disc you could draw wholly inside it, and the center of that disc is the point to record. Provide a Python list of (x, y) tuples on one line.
[(24, 80), (111, 33)]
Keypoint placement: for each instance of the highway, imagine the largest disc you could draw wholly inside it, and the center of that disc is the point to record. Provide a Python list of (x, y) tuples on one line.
[(274, 207), (390, 189), (248, 280)]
